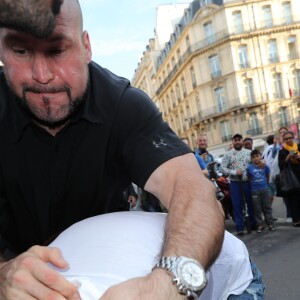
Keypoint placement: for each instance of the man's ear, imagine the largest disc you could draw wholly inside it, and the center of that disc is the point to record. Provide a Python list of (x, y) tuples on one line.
[(87, 46)]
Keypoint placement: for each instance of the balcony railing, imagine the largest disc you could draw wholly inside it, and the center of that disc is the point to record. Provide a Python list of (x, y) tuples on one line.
[(244, 65), (216, 74), (226, 106), (273, 59), (226, 138), (254, 131), (218, 36), (292, 56), (278, 95)]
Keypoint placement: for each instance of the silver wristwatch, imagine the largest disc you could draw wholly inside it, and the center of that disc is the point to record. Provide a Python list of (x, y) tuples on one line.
[(188, 275)]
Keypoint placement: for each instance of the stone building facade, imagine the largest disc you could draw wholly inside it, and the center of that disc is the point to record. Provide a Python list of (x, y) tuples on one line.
[(228, 67)]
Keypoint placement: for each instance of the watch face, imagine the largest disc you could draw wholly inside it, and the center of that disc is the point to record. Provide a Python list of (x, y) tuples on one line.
[(192, 275)]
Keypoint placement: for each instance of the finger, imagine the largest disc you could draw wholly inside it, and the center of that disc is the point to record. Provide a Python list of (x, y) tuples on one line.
[(51, 281), (50, 254)]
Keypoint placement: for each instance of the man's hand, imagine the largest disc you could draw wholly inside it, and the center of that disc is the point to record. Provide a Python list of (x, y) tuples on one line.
[(29, 277), (239, 172), (204, 156), (132, 200), (157, 285)]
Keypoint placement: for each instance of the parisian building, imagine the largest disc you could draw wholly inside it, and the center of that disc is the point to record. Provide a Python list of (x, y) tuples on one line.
[(220, 67)]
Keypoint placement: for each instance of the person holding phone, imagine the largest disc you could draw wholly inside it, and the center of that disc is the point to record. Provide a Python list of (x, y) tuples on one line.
[(289, 156)]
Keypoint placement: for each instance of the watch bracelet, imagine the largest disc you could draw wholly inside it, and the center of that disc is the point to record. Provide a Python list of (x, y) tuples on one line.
[(165, 262)]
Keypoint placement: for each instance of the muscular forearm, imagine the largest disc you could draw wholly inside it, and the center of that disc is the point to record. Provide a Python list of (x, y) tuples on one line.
[(195, 225)]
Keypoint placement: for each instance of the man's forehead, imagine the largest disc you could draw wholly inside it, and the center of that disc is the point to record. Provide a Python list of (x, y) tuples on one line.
[(9, 35)]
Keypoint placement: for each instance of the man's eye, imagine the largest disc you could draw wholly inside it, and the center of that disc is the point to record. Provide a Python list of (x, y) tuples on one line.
[(56, 51), (21, 51)]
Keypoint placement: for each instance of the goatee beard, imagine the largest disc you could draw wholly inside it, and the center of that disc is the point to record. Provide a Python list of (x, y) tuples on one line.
[(72, 107)]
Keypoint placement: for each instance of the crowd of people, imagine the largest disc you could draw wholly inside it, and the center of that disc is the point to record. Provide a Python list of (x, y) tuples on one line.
[(249, 175)]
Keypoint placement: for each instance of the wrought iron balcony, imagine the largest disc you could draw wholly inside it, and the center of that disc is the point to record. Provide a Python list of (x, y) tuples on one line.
[(226, 138), (216, 74), (254, 131)]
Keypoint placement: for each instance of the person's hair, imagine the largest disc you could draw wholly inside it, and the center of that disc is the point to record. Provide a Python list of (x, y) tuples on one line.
[(201, 135), (255, 152), (270, 139), (283, 127), (248, 139), (289, 132)]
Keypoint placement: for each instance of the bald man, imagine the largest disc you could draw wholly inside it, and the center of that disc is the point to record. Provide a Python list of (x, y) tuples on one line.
[(73, 136), (36, 17)]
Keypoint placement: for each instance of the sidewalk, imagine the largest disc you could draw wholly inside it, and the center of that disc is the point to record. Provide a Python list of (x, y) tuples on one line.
[(277, 255)]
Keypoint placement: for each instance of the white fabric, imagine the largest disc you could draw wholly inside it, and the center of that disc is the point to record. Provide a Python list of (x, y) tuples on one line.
[(111, 248), (275, 168)]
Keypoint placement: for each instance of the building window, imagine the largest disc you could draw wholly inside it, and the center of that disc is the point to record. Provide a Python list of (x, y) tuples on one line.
[(164, 110), (296, 83), (193, 77), (178, 93), (168, 106), (173, 98), (277, 85), (267, 16), (173, 126), (178, 55), (272, 50), (187, 42), (205, 2), (208, 32), (173, 61), (183, 118), (237, 22), (214, 66), (183, 86), (243, 56), (249, 91), (254, 125), (287, 15), (220, 97), (168, 69), (292, 47), (178, 125), (283, 116), (198, 106), (226, 131)]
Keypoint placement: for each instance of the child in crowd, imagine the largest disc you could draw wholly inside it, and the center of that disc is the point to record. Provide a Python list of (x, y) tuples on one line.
[(259, 179)]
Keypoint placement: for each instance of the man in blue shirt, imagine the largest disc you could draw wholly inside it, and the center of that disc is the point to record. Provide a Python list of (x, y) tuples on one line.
[(203, 153)]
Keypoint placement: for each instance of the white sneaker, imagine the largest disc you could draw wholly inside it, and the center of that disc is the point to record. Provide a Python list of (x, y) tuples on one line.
[(289, 220)]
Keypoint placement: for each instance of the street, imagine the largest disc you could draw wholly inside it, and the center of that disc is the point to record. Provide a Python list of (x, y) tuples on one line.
[(277, 254)]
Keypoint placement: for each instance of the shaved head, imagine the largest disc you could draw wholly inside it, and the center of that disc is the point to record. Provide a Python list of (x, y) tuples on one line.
[(36, 17)]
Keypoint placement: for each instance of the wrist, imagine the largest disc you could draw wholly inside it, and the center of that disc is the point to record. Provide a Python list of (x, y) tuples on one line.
[(162, 279)]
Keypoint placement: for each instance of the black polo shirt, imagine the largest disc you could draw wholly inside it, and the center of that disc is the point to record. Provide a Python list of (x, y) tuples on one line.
[(48, 183)]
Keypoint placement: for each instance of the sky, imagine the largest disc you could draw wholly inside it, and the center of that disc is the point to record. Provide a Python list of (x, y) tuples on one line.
[(120, 31)]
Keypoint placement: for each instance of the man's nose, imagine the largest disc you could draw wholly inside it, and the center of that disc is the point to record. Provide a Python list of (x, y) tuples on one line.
[(41, 69)]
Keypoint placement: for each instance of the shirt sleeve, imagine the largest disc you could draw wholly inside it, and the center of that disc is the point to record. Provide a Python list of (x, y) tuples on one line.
[(200, 161), (145, 140), (225, 165)]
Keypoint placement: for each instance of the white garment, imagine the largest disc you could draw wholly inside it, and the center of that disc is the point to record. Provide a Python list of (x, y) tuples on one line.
[(111, 248), (268, 155)]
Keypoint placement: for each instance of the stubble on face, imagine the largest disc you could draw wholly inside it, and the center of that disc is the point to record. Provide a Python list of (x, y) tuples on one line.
[(51, 117), (238, 145)]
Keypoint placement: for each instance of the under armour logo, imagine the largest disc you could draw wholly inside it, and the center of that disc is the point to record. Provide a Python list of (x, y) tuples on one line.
[(160, 143)]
